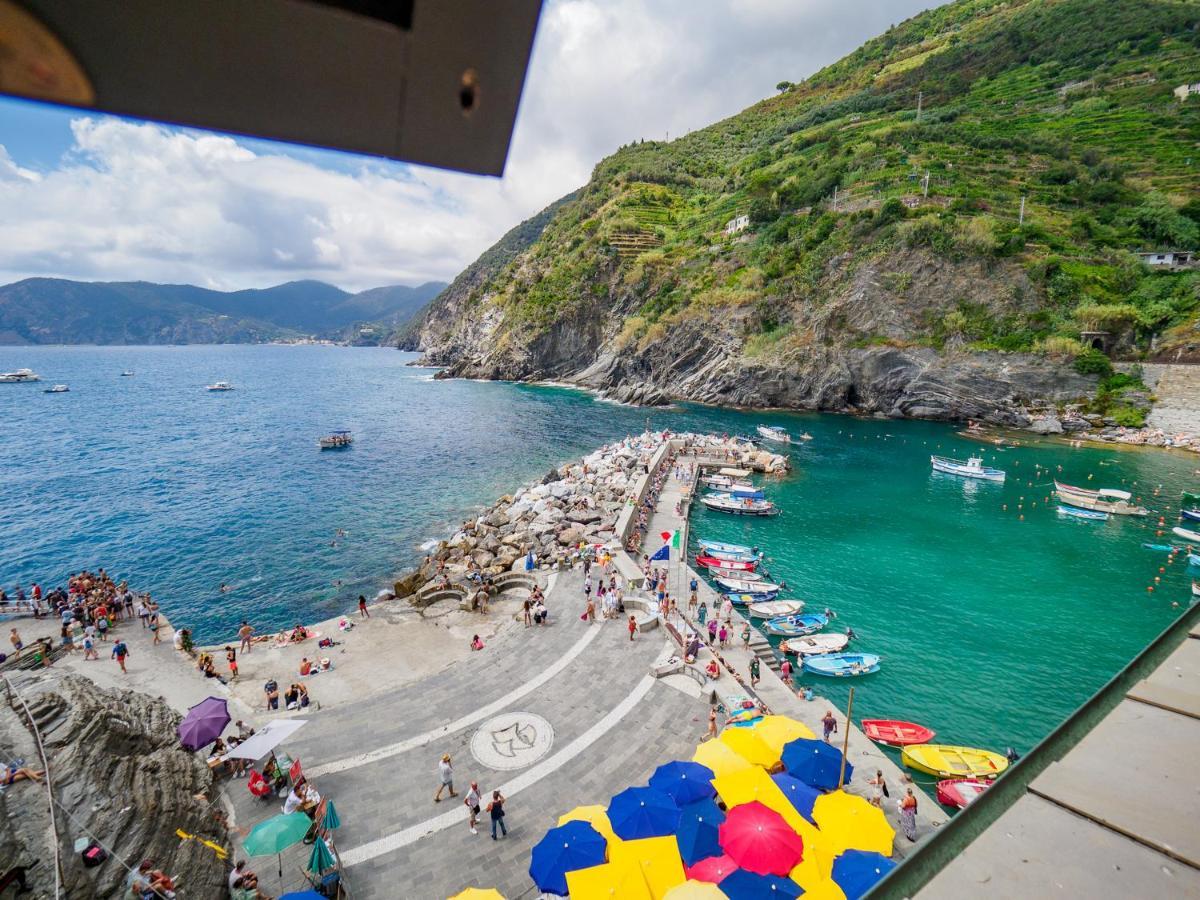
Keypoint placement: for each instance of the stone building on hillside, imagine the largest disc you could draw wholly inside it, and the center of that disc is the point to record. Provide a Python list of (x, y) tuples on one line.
[(1187, 90)]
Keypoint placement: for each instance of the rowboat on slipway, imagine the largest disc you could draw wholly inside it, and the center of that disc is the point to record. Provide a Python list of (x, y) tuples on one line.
[(1107, 500), (971, 468)]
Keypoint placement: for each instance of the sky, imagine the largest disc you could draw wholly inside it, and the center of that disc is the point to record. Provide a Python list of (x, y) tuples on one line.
[(99, 198)]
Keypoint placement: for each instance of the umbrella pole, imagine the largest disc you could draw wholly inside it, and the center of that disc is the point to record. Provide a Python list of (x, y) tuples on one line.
[(846, 739), (279, 857)]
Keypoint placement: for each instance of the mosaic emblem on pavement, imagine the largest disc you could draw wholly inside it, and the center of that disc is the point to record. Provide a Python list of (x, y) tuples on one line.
[(512, 740)]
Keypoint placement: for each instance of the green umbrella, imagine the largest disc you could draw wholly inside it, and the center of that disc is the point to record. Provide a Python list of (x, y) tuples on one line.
[(331, 819), (321, 858), (276, 834)]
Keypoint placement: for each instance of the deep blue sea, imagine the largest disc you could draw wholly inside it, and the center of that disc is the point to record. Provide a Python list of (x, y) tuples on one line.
[(992, 627)]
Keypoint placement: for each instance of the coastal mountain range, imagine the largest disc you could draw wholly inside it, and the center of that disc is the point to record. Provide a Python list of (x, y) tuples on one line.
[(58, 311), (962, 218)]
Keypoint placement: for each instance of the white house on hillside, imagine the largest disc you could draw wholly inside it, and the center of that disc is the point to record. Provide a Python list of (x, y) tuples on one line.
[(739, 223), (1186, 90)]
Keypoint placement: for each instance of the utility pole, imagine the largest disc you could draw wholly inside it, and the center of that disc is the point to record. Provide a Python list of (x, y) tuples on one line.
[(920, 97), (925, 192), (1021, 217)]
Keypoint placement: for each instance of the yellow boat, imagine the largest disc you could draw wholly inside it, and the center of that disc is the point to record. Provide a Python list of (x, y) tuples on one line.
[(953, 762)]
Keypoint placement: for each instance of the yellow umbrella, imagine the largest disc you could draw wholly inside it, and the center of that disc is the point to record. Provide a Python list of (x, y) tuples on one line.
[(611, 881), (749, 746), (657, 857), (778, 730), (719, 758), (816, 867), (478, 894), (596, 816), (851, 823), (824, 890), (695, 890)]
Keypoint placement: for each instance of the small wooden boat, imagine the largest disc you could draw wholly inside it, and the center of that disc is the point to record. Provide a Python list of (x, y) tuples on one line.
[(896, 733), (747, 599), (1162, 548), (960, 792), (744, 585), (1193, 536), (797, 625), (735, 557), (970, 468), (1107, 500), (771, 609), (713, 564), (953, 762), (1189, 507), (1192, 515), (338, 440), (725, 483), (842, 665), (745, 507), (716, 547), (774, 433), (1077, 513), (814, 644)]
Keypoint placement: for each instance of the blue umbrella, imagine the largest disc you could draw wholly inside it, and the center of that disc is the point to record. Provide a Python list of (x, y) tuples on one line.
[(303, 895), (857, 871), (684, 782), (799, 794), (575, 845), (745, 885), (640, 812), (698, 836), (814, 762)]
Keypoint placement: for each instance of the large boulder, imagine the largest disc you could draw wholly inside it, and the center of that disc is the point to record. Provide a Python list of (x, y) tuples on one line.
[(1046, 425), (569, 536)]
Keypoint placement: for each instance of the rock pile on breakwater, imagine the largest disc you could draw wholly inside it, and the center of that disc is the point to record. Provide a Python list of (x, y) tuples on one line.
[(576, 503)]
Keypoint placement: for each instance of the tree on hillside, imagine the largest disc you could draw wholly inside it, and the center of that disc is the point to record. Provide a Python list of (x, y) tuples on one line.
[(784, 86)]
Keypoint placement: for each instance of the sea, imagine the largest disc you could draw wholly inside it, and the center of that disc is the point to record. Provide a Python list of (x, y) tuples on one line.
[(994, 615)]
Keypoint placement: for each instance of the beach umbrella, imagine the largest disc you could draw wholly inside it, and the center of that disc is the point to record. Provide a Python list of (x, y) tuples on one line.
[(815, 763), (321, 859), (851, 823), (611, 881), (473, 893), (596, 816), (746, 743), (697, 834), (203, 723), (813, 873), (330, 820), (800, 795), (756, 785), (719, 758), (695, 890), (760, 840), (303, 895), (685, 782), (823, 890), (857, 871), (712, 869), (743, 885), (657, 858), (576, 845), (776, 731), (641, 812), (275, 835)]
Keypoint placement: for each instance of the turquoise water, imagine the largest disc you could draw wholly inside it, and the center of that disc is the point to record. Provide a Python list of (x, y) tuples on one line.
[(992, 629)]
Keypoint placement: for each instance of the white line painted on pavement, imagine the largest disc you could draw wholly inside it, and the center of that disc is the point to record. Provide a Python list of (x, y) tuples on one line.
[(528, 778), (420, 740)]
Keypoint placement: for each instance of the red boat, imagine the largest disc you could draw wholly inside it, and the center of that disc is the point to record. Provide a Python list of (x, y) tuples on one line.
[(960, 792), (896, 733), (726, 565)]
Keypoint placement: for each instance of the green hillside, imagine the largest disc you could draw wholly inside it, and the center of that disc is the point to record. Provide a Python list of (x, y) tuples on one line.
[(859, 203)]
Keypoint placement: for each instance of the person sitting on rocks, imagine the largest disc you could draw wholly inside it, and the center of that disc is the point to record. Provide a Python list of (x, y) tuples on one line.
[(14, 773), (149, 883)]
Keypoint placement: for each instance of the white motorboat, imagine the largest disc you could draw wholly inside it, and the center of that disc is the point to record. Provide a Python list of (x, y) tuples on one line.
[(815, 644), (772, 609), (1187, 534), (127, 374), (725, 483), (731, 503), (338, 440), (972, 468), (19, 376), (57, 389), (774, 433), (220, 386), (745, 585)]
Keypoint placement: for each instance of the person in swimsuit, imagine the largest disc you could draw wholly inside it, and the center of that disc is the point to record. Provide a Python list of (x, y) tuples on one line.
[(13, 774)]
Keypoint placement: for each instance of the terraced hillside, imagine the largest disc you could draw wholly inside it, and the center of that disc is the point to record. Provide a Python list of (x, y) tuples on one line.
[(933, 221)]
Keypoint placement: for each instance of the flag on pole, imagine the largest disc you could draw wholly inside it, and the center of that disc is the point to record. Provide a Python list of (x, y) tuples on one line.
[(675, 539), (666, 536), (663, 553)]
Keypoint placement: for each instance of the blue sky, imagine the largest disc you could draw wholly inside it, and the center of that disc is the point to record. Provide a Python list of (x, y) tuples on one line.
[(98, 198)]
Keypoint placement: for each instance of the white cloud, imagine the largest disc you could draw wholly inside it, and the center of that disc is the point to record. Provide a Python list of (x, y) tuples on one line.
[(141, 201)]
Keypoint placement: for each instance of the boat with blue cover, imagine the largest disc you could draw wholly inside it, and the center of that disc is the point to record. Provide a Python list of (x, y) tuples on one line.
[(745, 585), (842, 665), (744, 598), (797, 626), (729, 551), (970, 468), (1076, 512)]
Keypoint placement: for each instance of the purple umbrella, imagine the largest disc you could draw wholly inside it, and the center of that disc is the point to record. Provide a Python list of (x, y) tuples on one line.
[(203, 723)]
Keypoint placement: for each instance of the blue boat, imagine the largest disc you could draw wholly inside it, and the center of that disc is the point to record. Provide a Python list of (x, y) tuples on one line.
[(1194, 559), (842, 665), (744, 599), (1163, 548), (1076, 512), (718, 547), (797, 626), (1193, 514)]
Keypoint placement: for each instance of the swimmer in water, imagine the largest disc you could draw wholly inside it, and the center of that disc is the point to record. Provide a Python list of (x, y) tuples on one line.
[(225, 589)]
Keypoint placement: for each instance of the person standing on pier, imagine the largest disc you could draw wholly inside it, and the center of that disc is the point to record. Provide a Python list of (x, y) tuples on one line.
[(786, 671), (754, 671), (829, 724), (119, 652), (244, 632), (908, 815)]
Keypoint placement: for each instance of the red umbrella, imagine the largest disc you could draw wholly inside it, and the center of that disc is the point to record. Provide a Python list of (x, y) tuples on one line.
[(712, 868), (760, 840)]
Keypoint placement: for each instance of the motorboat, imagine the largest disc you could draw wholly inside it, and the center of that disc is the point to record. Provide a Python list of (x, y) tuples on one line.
[(337, 440), (730, 503), (960, 792), (1077, 513), (773, 609), (1189, 508), (953, 762), (19, 376), (57, 389), (896, 733), (797, 625), (745, 599), (1186, 534), (970, 468), (220, 386), (744, 585), (724, 566), (756, 556), (724, 484), (805, 436), (814, 644), (774, 433), (127, 374), (729, 551), (1194, 559), (842, 665), (1107, 500)]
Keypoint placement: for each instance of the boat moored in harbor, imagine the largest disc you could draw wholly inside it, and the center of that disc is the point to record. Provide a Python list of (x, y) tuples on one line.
[(842, 665), (971, 468), (1108, 500), (960, 792), (724, 566), (814, 644), (19, 376), (797, 625), (772, 609), (896, 733), (774, 433), (739, 506), (953, 762), (1189, 508), (744, 585), (1078, 513), (1186, 534), (729, 551)]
